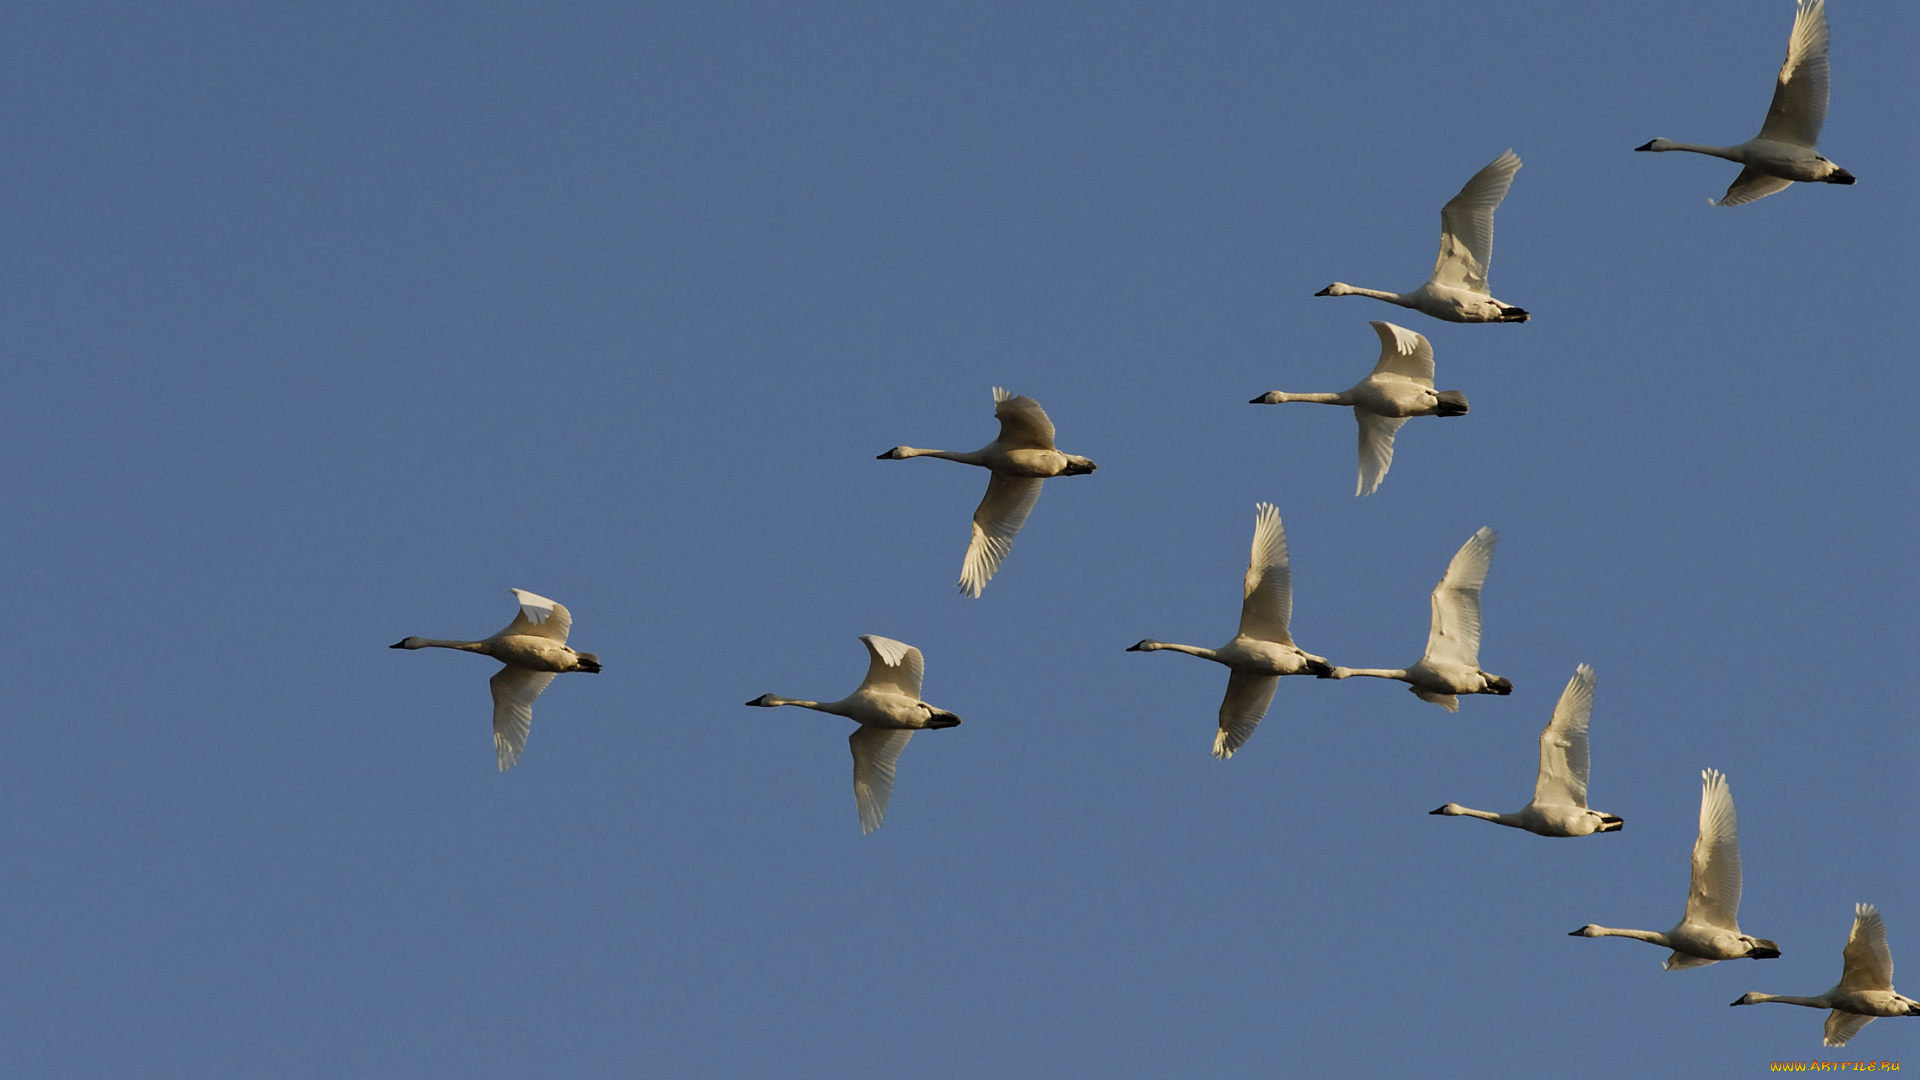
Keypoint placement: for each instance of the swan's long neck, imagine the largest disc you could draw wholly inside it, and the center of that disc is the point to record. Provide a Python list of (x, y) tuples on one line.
[(967, 457), (1190, 650), (1730, 153), (1786, 999), (1341, 288), (436, 643), (1654, 936), (768, 701), (1456, 810), (1371, 672), (1279, 397)]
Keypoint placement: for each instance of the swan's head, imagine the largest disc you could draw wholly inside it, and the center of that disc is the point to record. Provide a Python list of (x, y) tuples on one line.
[(1762, 948), (1656, 146), (1338, 288), (409, 643), (587, 662), (1589, 930), (765, 701), (1271, 397), (1751, 997), (898, 453), (1450, 403), (1077, 465), (1338, 673), (1145, 645), (1452, 809)]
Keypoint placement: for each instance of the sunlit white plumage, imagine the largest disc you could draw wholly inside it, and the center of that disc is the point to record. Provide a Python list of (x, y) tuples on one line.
[(1020, 460), (533, 648), (1457, 291), (1400, 386), (1783, 151), (888, 708), (1709, 929), (1559, 806), (1451, 664), (1263, 650), (1865, 989)]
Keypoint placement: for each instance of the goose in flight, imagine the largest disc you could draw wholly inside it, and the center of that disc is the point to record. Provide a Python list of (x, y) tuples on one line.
[(534, 649), (1709, 931), (1451, 665), (1783, 151), (1401, 386), (1865, 989), (888, 708), (1559, 806), (1263, 650), (1020, 460), (1457, 291)]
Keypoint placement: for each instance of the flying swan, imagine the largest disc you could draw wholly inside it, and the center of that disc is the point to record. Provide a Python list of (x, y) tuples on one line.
[(1783, 151), (534, 649), (1020, 459), (1457, 291), (1709, 930), (1263, 650), (1401, 386), (1451, 665), (1865, 989), (1559, 806), (888, 708)]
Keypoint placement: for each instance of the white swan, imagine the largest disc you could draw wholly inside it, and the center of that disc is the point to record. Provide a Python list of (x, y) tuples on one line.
[(534, 649), (1559, 806), (888, 708), (1263, 650), (1457, 291), (1783, 151), (1451, 664), (1021, 459), (1709, 930), (1865, 989), (1400, 386)]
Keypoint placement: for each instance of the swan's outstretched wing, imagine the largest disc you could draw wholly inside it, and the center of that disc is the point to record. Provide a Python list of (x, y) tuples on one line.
[(1800, 96), (1563, 745), (1023, 423), (1403, 353), (1266, 604), (1248, 698), (875, 750), (1714, 898), (996, 522), (1751, 185), (1455, 634), (1869, 963), (1679, 961), (1842, 1026), (514, 691), (540, 617), (1466, 226), (1376, 448), (893, 665)]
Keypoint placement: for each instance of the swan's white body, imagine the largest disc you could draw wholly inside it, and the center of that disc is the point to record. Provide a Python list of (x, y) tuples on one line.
[(888, 708), (1709, 930), (534, 649), (1559, 806), (1263, 650), (1021, 459), (1451, 664), (1400, 386), (1457, 291), (1783, 151), (1865, 989)]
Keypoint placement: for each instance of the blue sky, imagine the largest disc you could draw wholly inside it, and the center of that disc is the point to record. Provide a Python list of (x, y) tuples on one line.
[(327, 325)]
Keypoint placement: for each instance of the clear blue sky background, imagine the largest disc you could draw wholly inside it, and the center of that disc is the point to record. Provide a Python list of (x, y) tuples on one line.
[(327, 324)]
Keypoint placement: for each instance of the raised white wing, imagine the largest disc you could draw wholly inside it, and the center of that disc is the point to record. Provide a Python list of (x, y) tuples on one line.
[(1799, 105), (875, 750), (1714, 898), (1455, 633), (1376, 448), (1023, 423), (1563, 745), (1842, 1026), (514, 691), (893, 665), (1869, 963), (996, 522), (1403, 353), (1751, 185), (1266, 602), (1466, 226), (540, 617), (1248, 698)]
